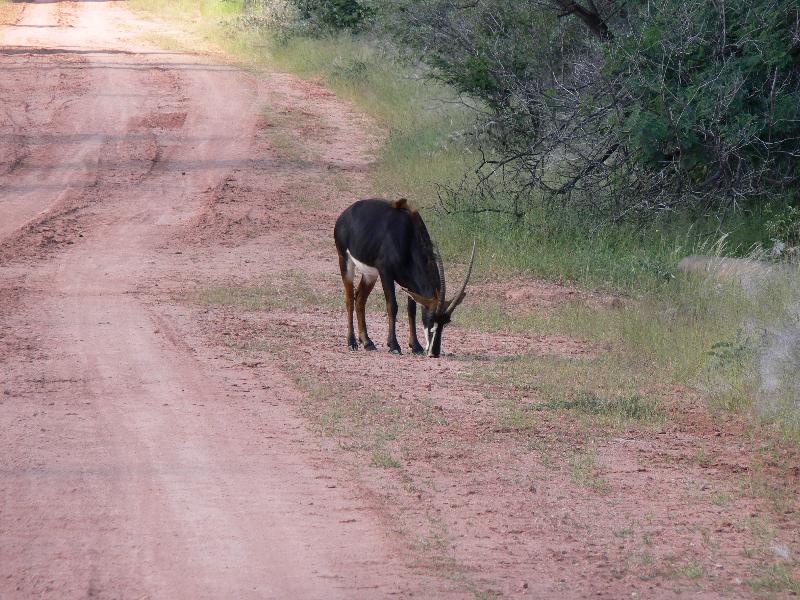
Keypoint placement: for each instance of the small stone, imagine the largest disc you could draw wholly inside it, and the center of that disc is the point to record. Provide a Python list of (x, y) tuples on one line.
[(781, 551)]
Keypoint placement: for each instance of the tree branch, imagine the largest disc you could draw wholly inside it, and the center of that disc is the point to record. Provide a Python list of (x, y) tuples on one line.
[(590, 17)]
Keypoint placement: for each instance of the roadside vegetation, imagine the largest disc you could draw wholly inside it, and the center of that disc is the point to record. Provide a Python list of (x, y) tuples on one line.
[(594, 147), (9, 12)]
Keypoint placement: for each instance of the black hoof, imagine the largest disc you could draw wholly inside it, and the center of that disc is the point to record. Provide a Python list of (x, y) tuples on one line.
[(394, 351), (418, 350), (369, 346), (352, 344)]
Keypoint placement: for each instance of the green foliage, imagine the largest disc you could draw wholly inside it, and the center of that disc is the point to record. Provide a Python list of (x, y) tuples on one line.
[(333, 15), (782, 224), (714, 92), (682, 104), (733, 354), (480, 48)]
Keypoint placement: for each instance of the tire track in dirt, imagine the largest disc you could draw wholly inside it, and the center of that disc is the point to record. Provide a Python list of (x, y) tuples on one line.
[(36, 112)]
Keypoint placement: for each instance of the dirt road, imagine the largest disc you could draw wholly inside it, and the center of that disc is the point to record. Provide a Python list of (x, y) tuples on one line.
[(131, 469), (178, 416)]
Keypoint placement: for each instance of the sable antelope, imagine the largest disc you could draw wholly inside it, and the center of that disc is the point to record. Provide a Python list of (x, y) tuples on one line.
[(388, 239)]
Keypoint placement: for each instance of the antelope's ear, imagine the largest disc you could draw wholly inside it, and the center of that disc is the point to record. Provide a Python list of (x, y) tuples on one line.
[(401, 203)]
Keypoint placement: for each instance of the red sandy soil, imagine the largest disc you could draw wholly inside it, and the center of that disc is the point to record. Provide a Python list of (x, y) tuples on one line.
[(152, 446)]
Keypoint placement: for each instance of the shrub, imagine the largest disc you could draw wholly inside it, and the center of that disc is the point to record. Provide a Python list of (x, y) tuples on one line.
[(623, 108), (333, 15), (713, 96)]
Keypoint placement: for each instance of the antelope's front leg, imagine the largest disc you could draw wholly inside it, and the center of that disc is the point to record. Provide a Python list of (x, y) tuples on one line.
[(413, 342), (391, 311)]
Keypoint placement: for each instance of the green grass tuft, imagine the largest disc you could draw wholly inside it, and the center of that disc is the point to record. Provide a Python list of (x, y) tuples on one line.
[(383, 459), (585, 472), (632, 407), (777, 578)]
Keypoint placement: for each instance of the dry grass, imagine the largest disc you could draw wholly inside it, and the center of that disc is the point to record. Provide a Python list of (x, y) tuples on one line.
[(286, 291)]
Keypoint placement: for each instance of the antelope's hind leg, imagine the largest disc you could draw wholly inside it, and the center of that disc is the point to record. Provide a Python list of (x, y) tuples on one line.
[(348, 273), (413, 342), (362, 293)]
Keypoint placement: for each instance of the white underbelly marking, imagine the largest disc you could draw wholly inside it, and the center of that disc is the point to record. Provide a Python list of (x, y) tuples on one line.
[(366, 270)]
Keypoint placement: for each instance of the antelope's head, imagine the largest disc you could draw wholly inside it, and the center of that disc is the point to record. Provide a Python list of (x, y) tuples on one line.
[(437, 311)]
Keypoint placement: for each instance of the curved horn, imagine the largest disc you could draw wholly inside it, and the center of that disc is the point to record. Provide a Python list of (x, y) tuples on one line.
[(459, 297), (443, 291)]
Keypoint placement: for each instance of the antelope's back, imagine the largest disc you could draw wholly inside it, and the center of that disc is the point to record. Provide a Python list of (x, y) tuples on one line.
[(377, 230)]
